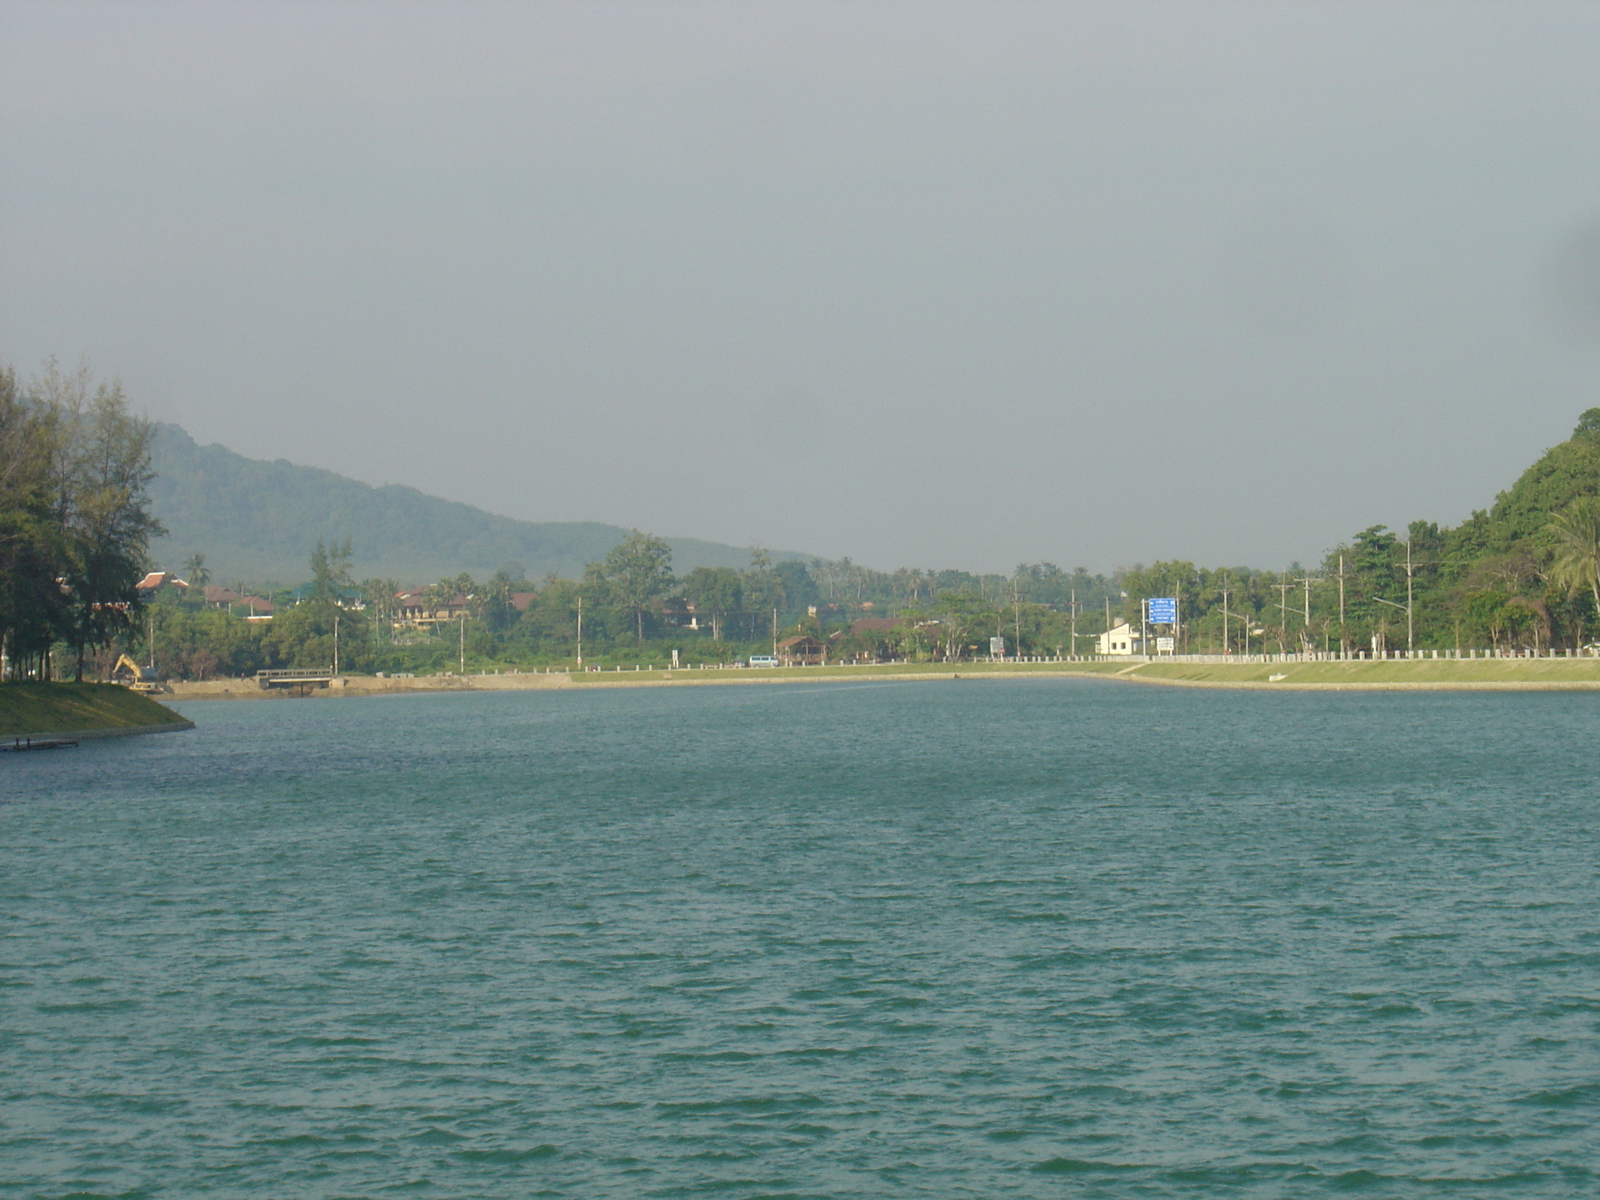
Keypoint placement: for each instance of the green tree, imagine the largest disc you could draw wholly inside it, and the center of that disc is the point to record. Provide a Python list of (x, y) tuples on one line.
[(551, 621), (195, 572), (330, 572), (1576, 529), (381, 599), (301, 635), (799, 588), (961, 617), (100, 475), (639, 569), (307, 634), (498, 611), (32, 550), (715, 592)]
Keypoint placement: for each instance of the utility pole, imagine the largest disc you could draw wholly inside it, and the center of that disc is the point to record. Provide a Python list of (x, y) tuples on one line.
[(1283, 612), (1016, 619), (336, 642), (1411, 631), (462, 628), (1224, 619), (1344, 642), (1305, 632), (580, 629), (1074, 595), (1244, 624), (774, 633)]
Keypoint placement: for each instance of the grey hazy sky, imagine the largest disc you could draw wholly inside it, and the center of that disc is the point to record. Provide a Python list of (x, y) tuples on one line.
[(925, 284)]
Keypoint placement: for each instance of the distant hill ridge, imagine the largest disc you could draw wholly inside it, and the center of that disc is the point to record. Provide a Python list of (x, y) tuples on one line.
[(258, 521)]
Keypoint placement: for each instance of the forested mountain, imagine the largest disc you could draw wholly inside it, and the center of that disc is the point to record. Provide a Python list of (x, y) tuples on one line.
[(1519, 520), (1522, 574), (259, 521)]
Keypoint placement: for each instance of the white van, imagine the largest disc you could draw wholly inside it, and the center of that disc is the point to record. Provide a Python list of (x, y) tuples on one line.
[(763, 660)]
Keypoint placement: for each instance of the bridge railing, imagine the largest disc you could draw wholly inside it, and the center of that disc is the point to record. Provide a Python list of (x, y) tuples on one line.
[(293, 675)]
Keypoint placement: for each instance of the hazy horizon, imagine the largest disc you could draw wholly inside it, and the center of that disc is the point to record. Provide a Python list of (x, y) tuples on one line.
[(929, 285)]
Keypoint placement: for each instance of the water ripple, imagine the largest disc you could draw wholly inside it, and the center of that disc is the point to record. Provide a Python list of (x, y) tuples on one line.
[(1030, 940)]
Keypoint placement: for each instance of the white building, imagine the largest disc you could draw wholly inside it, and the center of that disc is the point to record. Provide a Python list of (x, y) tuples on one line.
[(1121, 639)]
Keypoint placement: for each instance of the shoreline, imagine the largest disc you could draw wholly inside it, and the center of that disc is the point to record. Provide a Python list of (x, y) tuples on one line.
[(18, 740), (68, 711), (1484, 675)]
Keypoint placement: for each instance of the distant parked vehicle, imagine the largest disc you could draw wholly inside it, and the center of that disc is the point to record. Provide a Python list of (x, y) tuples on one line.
[(763, 660)]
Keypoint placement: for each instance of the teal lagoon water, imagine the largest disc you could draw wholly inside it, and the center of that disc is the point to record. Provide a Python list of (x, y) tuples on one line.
[(1039, 939)]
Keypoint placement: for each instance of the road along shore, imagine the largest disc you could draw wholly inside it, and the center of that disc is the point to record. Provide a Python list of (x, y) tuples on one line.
[(1484, 675)]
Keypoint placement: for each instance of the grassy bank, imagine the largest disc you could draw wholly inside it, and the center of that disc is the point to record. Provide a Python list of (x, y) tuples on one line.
[(1423, 673), (33, 708), (869, 671), (1487, 674), (1482, 674)]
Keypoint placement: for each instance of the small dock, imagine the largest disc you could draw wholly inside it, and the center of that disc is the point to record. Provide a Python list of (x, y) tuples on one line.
[(294, 678), (42, 743)]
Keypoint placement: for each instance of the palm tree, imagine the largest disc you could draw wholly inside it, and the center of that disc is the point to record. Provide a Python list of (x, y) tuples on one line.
[(195, 572), (1577, 559)]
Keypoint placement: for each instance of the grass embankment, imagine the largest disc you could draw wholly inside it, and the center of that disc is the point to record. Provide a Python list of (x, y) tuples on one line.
[(965, 670), (1484, 673), (27, 709), (1421, 673)]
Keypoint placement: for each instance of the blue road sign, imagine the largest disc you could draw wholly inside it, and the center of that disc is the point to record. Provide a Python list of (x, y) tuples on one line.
[(1163, 610)]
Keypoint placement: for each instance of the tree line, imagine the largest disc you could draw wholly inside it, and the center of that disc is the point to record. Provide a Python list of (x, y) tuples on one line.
[(1524, 574), (628, 607), (75, 519), (76, 528)]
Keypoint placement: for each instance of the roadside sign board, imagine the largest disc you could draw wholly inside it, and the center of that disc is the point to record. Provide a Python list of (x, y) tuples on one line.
[(1164, 645), (1163, 610), (997, 647)]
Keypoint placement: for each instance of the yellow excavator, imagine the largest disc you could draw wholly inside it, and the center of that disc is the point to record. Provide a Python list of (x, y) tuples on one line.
[(139, 679)]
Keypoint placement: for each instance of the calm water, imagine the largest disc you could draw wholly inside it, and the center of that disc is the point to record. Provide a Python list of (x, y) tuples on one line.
[(942, 939)]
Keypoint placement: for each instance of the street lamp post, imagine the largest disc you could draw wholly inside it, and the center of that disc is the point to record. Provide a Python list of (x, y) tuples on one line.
[(1406, 608)]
